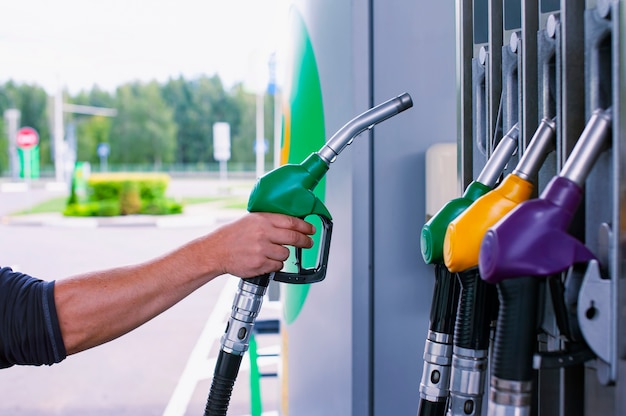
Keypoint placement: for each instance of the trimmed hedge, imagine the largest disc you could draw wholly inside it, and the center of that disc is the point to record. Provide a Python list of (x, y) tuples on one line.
[(112, 194)]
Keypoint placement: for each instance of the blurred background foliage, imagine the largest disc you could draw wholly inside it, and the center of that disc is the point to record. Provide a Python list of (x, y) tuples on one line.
[(159, 126)]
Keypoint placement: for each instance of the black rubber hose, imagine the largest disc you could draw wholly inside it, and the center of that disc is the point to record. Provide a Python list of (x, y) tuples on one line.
[(475, 311), (445, 301), (516, 330), (442, 317), (427, 408), (226, 370)]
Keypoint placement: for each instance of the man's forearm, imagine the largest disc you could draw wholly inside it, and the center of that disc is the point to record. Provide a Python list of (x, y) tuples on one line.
[(97, 307)]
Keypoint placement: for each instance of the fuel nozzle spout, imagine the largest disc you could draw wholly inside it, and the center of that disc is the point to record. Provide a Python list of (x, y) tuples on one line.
[(344, 136), (500, 157), (592, 142), (541, 144)]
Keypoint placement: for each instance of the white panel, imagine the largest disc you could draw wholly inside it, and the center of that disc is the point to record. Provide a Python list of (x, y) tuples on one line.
[(441, 176)]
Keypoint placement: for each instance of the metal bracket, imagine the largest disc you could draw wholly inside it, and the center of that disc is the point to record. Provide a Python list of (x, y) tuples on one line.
[(596, 320)]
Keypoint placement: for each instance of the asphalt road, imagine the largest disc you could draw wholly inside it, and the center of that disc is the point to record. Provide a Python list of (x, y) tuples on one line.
[(144, 372)]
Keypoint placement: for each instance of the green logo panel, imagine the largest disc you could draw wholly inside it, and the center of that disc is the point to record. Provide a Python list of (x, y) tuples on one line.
[(303, 134)]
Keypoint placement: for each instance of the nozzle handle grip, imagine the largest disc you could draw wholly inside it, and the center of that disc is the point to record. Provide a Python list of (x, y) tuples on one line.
[(516, 329), (511, 385), (474, 311), (317, 273), (443, 309)]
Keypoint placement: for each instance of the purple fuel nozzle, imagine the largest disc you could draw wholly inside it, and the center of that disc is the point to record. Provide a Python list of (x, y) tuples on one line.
[(532, 240)]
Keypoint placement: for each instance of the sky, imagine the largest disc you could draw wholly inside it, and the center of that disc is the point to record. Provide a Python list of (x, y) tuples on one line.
[(80, 43)]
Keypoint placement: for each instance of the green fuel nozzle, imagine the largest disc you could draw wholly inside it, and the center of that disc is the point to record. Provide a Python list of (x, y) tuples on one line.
[(434, 231), (289, 188)]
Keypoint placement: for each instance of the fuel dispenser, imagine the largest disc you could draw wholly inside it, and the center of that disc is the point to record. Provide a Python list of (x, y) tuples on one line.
[(556, 259), (286, 190)]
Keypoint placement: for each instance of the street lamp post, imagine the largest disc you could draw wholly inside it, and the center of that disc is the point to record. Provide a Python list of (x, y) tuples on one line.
[(60, 146)]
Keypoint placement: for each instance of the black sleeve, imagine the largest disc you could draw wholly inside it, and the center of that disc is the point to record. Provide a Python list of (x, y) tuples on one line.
[(29, 328)]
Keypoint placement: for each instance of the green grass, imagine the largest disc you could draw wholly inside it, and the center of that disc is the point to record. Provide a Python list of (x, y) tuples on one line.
[(50, 205), (230, 202), (240, 203), (199, 200)]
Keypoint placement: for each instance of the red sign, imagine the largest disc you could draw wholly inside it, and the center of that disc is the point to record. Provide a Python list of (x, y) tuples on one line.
[(26, 138)]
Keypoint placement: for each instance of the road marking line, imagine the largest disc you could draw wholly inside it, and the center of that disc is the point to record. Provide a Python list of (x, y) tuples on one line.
[(198, 366)]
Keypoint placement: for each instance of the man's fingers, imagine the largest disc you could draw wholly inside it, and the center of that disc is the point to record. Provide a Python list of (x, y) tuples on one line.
[(291, 223), (274, 265), (279, 253), (292, 238)]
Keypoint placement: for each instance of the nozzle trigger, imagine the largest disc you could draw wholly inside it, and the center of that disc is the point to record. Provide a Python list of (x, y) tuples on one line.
[(310, 275)]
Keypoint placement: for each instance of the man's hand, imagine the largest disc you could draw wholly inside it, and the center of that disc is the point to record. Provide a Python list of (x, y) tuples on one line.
[(255, 244)]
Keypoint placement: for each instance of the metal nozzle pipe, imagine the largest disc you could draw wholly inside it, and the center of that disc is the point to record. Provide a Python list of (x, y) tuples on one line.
[(500, 157), (362, 122), (541, 144), (588, 148)]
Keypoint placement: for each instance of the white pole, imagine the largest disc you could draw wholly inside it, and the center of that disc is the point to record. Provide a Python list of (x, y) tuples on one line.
[(27, 162), (260, 128), (12, 117), (278, 128), (223, 172), (59, 142)]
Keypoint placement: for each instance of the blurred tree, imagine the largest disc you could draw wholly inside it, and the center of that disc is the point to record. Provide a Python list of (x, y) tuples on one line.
[(156, 123), (32, 101), (144, 130), (95, 97), (244, 136), (243, 132), (198, 104), (91, 130), (192, 140), (4, 148)]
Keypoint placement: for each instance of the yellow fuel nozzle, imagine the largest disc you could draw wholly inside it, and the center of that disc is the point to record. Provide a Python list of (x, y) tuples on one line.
[(465, 233)]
